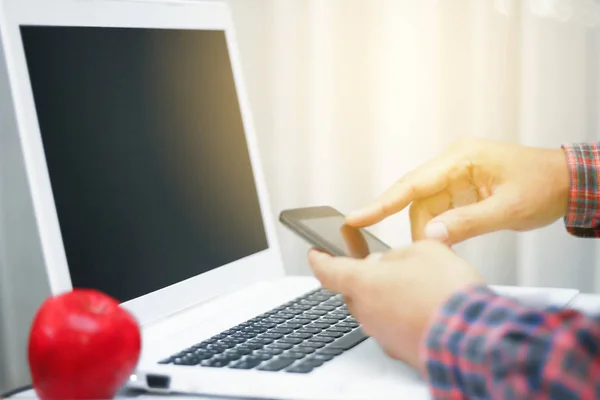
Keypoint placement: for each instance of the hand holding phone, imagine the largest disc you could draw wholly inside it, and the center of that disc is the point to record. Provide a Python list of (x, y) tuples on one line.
[(325, 228)]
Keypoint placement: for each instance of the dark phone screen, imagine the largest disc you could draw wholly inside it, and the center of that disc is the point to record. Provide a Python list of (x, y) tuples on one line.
[(348, 240)]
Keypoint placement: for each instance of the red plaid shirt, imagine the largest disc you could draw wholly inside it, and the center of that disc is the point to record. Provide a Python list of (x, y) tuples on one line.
[(485, 346)]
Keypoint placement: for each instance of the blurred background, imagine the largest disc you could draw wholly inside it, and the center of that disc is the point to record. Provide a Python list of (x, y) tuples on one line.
[(348, 95)]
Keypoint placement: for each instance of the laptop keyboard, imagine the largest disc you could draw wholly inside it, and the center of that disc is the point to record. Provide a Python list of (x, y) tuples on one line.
[(296, 337)]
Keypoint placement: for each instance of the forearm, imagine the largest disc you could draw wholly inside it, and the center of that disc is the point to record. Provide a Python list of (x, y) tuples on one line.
[(583, 216), (485, 346)]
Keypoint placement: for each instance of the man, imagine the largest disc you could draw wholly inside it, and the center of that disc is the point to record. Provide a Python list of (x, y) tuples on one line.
[(428, 307)]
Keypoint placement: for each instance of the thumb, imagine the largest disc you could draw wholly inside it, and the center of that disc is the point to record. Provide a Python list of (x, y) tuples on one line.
[(459, 224), (343, 275)]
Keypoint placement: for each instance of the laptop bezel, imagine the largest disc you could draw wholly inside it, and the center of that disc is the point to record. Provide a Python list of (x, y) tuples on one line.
[(166, 14)]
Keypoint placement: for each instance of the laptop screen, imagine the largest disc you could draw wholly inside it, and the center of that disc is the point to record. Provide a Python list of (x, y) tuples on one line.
[(146, 153)]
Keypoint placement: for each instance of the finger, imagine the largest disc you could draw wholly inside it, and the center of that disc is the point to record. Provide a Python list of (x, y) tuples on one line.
[(350, 305), (456, 225), (420, 183), (374, 257), (394, 255), (423, 211), (355, 242), (339, 274)]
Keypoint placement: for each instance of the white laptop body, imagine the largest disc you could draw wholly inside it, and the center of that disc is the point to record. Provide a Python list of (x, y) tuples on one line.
[(99, 86)]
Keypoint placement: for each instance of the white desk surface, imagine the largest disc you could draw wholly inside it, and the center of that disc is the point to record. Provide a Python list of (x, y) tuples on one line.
[(586, 303)]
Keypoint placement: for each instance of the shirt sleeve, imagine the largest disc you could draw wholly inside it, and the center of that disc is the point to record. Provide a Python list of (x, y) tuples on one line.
[(583, 215), (485, 346)]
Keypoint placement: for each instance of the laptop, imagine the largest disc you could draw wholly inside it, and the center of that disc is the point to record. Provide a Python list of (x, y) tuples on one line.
[(142, 169)]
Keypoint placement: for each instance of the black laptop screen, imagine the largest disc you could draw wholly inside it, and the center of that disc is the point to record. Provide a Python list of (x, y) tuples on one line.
[(146, 152)]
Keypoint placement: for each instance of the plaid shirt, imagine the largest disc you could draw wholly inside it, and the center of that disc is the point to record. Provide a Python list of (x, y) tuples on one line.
[(485, 346)]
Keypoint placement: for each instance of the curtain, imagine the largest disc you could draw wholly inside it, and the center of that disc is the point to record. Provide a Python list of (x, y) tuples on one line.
[(349, 95)]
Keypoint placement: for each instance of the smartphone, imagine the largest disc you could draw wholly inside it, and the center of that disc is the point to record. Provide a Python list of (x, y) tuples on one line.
[(325, 228)]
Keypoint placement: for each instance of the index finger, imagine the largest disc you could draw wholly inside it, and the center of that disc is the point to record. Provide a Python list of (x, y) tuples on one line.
[(355, 242), (339, 274), (422, 182)]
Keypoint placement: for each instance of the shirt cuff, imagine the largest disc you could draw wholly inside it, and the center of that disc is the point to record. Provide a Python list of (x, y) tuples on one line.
[(583, 214)]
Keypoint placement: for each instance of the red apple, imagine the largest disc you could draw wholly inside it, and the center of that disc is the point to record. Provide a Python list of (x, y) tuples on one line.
[(82, 345)]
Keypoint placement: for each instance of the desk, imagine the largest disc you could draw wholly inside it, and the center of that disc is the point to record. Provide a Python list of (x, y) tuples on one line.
[(586, 303)]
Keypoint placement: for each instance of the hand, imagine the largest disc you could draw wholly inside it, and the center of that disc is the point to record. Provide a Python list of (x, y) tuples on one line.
[(477, 187), (394, 297)]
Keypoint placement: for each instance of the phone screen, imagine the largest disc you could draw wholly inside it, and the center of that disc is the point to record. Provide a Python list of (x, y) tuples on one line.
[(351, 241)]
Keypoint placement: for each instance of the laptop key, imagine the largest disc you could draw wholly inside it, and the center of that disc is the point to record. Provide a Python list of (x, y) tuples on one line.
[(284, 315), (305, 349), (313, 345), (303, 321), (290, 340), (229, 343), (240, 337), (292, 325), (267, 324), (272, 335), (309, 303), (329, 321), (296, 355), (341, 329), (332, 334), (263, 355), (300, 335), (247, 363), (330, 351), (300, 369), (186, 361), (263, 340), (315, 312), (243, 349), (218, 347), (309, 330), (321, 339), (294, 311), (204, 355), (312, 317), (304, 307), (280, 345), (321, 357), (278, 320), (320, 325), (279, 329), (324, 307), (350, 340), (312, 362), (212, 363), (253, 346), (276, 364), (228, 356)]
